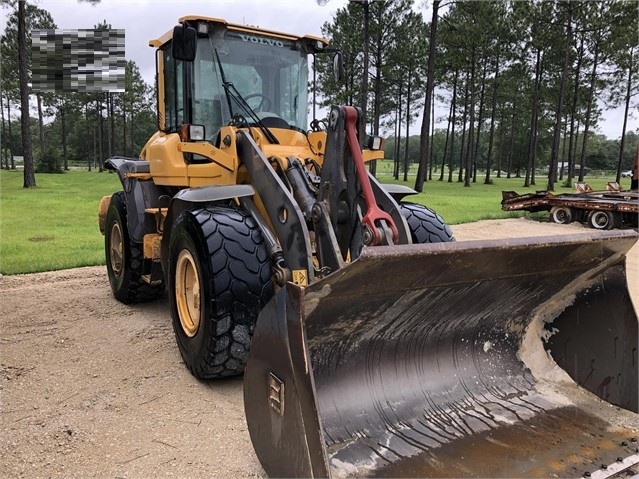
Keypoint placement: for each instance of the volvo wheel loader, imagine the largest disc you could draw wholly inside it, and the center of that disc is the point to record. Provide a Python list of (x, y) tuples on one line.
[(371, 343)]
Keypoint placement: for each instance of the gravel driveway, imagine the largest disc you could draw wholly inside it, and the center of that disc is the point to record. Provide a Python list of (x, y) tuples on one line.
[(90, 387)]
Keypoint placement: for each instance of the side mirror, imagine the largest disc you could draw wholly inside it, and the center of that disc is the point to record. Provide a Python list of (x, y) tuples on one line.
[(338, 66), (184, 44)]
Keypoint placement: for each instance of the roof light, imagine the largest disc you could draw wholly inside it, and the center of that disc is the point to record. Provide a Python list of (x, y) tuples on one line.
[(203, 28)]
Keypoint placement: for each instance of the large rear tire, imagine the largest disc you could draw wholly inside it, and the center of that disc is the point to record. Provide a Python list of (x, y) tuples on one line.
[(219, 280), (124, 257), (425, 225)]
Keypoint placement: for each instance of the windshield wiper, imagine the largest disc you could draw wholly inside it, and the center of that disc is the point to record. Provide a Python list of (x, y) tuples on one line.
[(232, 93)]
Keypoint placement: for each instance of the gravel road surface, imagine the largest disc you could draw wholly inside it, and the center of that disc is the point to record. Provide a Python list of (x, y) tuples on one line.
[(90, 387)]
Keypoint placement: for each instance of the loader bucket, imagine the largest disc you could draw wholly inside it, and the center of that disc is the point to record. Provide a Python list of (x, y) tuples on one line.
[(428, 361)]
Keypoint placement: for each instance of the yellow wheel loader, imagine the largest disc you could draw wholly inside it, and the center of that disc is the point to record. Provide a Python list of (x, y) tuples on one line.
[(371, 342)]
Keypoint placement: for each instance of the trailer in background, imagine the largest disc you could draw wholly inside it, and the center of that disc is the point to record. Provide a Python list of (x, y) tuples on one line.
[(604, 210)]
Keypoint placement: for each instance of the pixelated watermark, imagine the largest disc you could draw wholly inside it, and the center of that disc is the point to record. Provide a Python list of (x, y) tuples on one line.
[(78, 60)]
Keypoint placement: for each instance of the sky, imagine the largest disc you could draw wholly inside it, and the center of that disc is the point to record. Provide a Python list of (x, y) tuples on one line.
[(143, 20)]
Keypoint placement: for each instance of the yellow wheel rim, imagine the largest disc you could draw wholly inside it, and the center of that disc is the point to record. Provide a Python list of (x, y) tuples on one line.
[(116, 249), (187, 293)]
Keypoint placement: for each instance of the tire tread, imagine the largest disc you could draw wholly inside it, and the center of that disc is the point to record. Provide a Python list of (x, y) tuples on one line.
[(425, 225), (133, 289), (240, 287)]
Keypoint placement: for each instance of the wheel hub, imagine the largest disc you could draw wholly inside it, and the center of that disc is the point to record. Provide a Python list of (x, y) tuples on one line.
[(187, 293), (116, 249)]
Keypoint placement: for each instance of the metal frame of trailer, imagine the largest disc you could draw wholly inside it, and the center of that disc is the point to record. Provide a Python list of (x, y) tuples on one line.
[(612, 208)]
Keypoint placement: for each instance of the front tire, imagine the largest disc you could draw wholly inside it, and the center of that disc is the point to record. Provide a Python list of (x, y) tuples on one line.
[(124, 257), (425, 225), (219, 281), (561, 215)]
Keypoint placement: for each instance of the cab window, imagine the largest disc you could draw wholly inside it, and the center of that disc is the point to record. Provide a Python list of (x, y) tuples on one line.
[(173, 91)]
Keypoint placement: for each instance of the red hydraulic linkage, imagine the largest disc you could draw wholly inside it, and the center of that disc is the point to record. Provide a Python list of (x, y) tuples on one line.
[(373, 213)]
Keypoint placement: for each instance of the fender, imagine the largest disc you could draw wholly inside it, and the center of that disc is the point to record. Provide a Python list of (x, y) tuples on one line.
[(398, 191), (188, 197), (140, 193)]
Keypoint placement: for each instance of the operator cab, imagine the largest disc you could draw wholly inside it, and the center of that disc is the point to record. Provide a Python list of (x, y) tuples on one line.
[(211, 71)]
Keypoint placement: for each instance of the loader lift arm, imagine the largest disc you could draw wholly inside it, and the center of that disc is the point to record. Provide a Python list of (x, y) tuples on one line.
[(343, 182), (379, 226)]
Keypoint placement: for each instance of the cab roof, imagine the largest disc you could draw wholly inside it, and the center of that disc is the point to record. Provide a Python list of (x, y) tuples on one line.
[(193, 20)]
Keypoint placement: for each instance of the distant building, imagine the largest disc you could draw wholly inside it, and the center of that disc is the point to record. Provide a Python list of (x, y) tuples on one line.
[(564, 167)]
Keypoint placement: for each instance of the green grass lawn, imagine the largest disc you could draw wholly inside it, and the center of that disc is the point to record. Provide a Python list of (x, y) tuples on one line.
[(55, 226)]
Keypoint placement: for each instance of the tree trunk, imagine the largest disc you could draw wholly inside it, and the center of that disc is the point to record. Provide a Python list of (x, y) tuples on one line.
[(13, 163), (29, 167), (453, 108), (86, 123), (112, 125), (445, 155), (593, 88), (398, 131), (432, 143), (625, 118), (47, 168), (123, 129), (534, 118), (405, 162), (462, 153), (396, 158), (491, 135), (364, 95), (563, 152), (377, 97), (500, 150), (575, 101), (554, 153), (407, 135), (480, 119), (470, 154), (576, 142), (109, 137), (512, 139), (424, 138), (98, 111), (4, 159), (65, 154)]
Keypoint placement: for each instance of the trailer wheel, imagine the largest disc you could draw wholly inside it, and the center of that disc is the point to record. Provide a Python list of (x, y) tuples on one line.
[(561, 215), (219, 280), (425, 225), (601, 220), (124, 257)]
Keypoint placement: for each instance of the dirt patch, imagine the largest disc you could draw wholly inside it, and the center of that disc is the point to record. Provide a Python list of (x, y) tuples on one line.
[(39, 239), (90, 387)]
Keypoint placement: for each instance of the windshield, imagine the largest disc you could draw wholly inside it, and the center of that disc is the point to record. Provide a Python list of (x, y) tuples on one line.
[(270, 73)]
